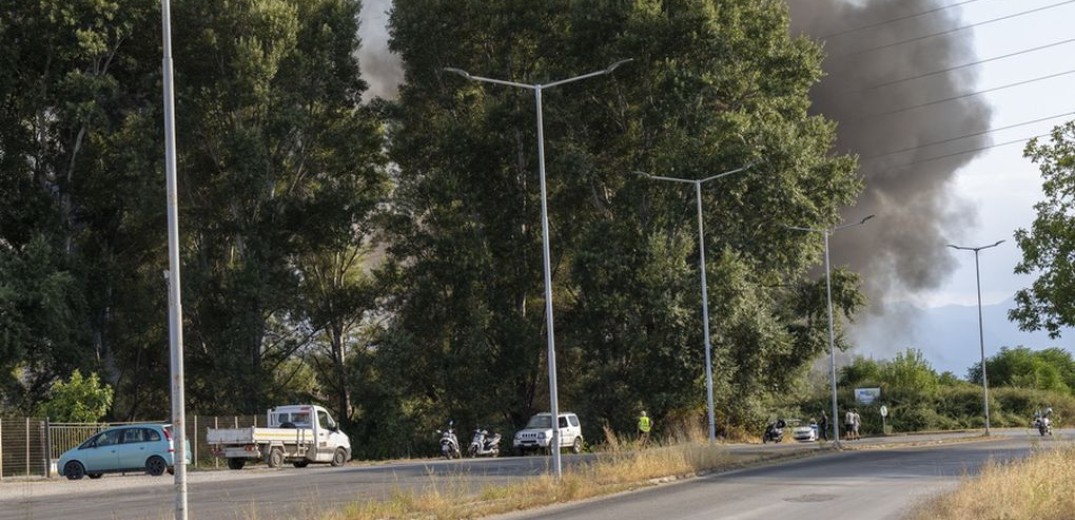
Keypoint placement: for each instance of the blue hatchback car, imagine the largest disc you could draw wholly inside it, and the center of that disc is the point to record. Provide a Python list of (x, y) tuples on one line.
[(128, 448)]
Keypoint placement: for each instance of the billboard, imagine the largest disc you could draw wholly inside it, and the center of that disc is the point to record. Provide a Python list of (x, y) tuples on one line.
[(867, 395)]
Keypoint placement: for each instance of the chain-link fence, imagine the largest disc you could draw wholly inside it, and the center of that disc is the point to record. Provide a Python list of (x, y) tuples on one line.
[(29, 446)]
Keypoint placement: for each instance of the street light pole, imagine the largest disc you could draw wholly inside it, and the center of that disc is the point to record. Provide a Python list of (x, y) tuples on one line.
[(981, 336), (705, 292), (554, 407), (825, 232), (175, 307)]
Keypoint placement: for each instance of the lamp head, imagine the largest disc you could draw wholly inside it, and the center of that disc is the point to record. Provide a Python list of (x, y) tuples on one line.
[(454, 70), (617, 64), (868, 217)]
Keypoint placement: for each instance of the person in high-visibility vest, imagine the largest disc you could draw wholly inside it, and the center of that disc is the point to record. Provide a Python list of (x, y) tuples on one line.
[(645, 424)]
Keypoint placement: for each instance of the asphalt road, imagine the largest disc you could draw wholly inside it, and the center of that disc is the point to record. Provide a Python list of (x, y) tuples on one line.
[(872, 483)]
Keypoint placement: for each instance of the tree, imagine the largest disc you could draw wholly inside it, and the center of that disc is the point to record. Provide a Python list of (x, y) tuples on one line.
[(1049, 369), (78, 400), (62, 101), (1049, 303), (282, 164), (713, 86)]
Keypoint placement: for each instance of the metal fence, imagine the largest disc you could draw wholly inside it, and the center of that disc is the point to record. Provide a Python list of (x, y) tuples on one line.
[(29, 446)]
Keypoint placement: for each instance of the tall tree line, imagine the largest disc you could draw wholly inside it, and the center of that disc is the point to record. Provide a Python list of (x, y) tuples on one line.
[(290, 186), (280, 168)]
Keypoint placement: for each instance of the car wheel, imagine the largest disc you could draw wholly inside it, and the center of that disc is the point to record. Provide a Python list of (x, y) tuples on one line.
[(236, 463), (300, 463), (339, 458), (74, 470), (156, 466), (276, 458), (576, 447), (94, 475)]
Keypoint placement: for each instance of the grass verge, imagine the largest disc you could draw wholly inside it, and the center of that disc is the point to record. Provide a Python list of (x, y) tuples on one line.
[(619, 467), (1036, 488)]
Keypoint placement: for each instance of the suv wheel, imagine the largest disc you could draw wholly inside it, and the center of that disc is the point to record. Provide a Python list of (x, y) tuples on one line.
[(576, 447)]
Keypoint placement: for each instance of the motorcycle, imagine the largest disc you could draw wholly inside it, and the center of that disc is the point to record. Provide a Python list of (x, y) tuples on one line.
[(1044, 426), (482, 444), (774, 431), (449, 444)]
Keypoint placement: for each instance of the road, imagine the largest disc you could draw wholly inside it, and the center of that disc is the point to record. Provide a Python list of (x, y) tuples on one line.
[(880, 481)]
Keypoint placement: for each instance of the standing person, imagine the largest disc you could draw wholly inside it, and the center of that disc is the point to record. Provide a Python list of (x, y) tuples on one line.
[(823, 427), (849, 423), (645, 424), (855, 423)]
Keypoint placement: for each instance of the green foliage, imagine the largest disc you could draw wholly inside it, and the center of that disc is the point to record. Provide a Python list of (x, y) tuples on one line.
[(1048, 369), (918, 399), (1049, 303), (77, 400), (711, 88)]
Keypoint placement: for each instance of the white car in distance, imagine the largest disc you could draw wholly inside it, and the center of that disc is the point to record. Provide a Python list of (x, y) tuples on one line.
[(537, 435)]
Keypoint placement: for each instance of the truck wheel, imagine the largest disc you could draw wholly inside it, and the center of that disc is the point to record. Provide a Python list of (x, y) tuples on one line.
[(236, 463), (276, 458), (300, 463), (576, 447), (339, 458)]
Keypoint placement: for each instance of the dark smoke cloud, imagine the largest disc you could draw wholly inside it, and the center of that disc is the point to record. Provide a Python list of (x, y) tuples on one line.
[(380, 68), (890, 123)]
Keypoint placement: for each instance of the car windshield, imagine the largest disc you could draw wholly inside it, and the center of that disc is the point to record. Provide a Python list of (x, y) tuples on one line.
[(540, 422)]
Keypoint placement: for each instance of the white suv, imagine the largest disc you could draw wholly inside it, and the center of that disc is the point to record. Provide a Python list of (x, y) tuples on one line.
[(538, 433)]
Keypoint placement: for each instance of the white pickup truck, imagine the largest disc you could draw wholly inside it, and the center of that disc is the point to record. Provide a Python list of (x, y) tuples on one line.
[(299, 434)]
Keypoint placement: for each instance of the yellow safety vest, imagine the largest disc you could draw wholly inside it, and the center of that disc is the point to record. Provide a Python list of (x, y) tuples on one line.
[(643, 424)]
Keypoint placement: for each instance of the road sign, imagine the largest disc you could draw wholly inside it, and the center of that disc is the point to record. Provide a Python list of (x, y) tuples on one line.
[(884, 411)]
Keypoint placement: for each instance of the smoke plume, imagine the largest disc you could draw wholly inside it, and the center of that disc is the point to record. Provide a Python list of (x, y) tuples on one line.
[(380, 68), (895, 86)]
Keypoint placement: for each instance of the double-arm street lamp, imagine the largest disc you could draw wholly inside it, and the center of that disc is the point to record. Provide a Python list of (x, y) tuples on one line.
[(705, 294), (825, 232), (554, 408), (981, 337)]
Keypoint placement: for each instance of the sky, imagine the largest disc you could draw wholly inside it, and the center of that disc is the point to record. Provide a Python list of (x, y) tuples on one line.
[(999, 186), (1019, 71)]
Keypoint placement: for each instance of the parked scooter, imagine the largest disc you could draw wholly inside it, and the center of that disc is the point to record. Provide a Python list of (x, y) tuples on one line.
[(483, 444), (449, 444), (774, 431)]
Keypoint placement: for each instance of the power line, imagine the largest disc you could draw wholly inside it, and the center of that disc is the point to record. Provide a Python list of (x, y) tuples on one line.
[(962, 96), (956, 29), (966, 136), (973, 150), (957, 67), (893, 20)]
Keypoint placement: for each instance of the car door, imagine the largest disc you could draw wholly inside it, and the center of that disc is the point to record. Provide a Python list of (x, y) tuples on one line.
[(565, 432), (100, 454), (135, 447)]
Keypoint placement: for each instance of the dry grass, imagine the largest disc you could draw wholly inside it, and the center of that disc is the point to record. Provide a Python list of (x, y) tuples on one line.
[(619, 466), (1038, 488)]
